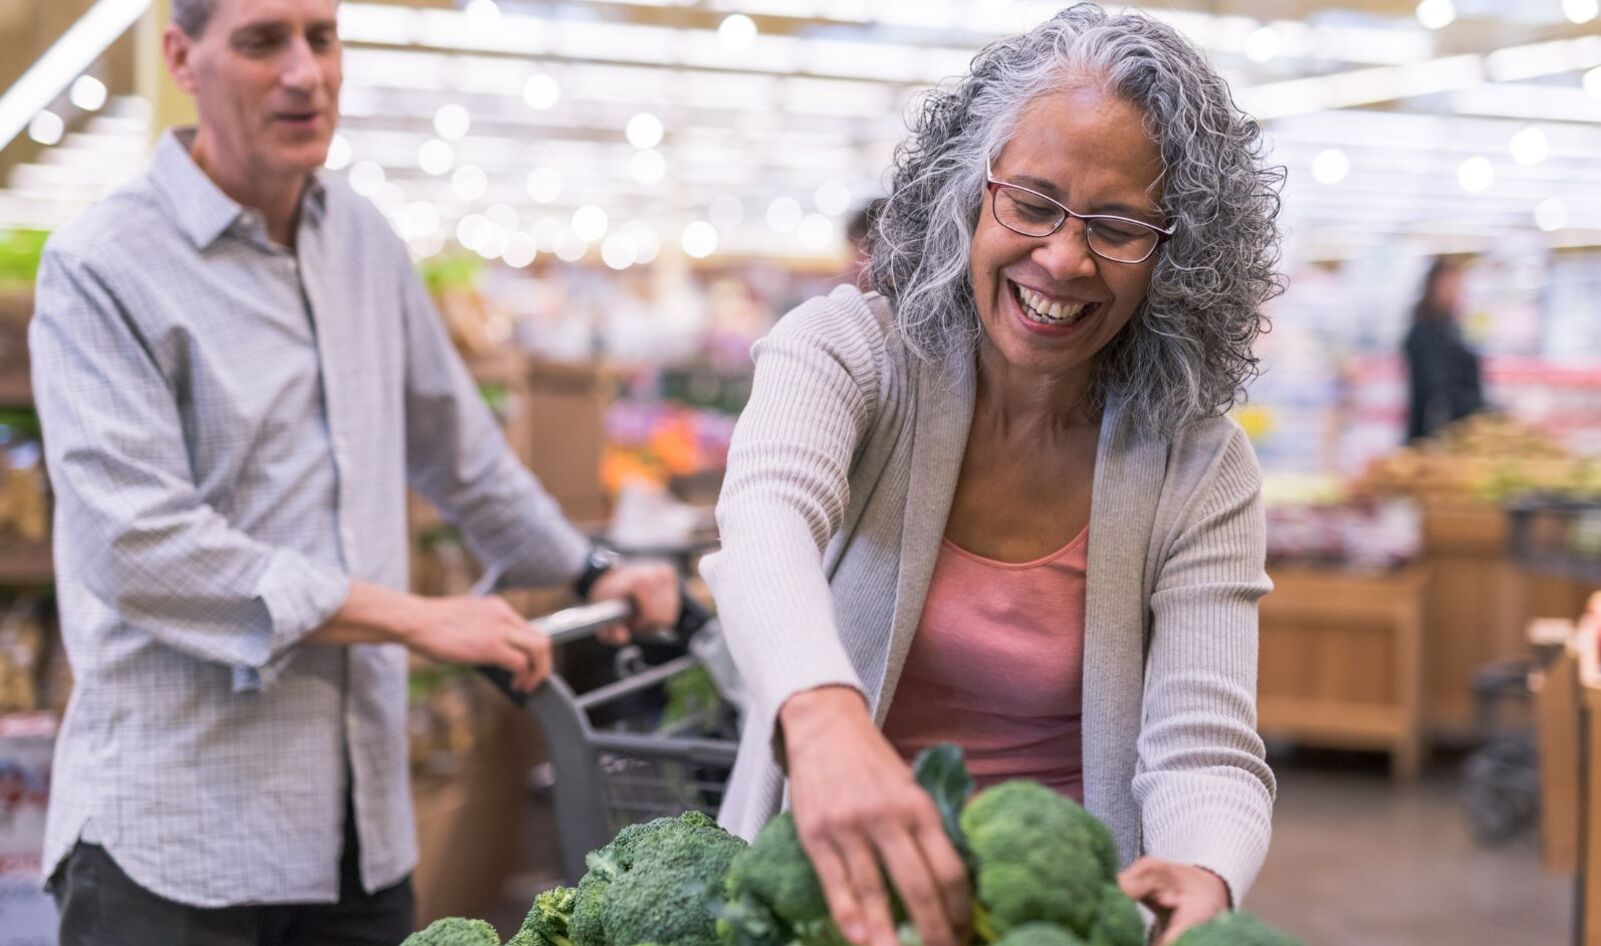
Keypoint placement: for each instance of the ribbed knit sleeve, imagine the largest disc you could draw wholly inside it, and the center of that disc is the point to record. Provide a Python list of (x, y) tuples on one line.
[(815, 394), (1203, 787)]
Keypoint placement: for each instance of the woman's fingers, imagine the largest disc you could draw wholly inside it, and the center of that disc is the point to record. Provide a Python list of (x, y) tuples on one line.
[(867, 887), (1186, 914), (914, 880), (842, 905), (950, 875)]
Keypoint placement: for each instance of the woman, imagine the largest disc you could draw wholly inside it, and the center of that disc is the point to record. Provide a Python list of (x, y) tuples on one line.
[(997, 504), (1442, 371)]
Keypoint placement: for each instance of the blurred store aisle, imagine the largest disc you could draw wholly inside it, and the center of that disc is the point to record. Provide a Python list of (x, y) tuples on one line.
[(1357, 860)]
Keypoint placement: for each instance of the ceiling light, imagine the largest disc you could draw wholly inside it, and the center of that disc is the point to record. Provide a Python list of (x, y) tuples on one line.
[(469, 182), (419, 219), (46, 128), (470, 230), (570, 248), (1581, 11), (88, 93), (726, 213), (544, 185), (648, 167), (783, 214), (646, 243), (1476, 174), (482, 14), (832, 198), (339, 153), (366, 178), (452, 122), (435, 157), (541, 91), (389, 198), (1530, 146), (1330, 166), (589, 223), (1551, 214), (520, 250), (816, 232), (1436, 14), (618, 252), (493, 242), (737, 32), (700, 239), (1263, 44), (503, 216), (548, 232), (645, 130)]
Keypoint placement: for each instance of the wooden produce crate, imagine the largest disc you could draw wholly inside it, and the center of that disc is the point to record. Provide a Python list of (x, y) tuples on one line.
[(1589, 820), (1555, 685), (1342, 661), (1479, 602)]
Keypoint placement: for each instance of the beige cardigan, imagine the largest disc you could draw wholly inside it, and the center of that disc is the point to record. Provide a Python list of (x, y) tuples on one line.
[(839, 482)]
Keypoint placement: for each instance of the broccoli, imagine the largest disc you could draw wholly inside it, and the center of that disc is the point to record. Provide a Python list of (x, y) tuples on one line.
[(1117, 920), (1040, 934), (1235, 929), (772, 895), (1035, 856), (548, 919), (455, 931), (650, 885)]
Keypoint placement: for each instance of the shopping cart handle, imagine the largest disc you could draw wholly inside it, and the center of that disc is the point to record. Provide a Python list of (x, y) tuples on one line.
[(584, 620)]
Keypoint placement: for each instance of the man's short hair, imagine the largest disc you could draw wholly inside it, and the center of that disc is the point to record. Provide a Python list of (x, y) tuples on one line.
[(191, 15)]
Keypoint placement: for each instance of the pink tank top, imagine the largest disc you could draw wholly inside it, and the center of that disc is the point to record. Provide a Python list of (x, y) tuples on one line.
[(997, 665)]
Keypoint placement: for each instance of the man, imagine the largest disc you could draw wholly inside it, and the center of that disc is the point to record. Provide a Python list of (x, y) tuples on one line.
[(238, 373)]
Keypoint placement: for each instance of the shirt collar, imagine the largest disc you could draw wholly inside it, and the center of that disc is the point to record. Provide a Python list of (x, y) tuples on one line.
[(203, 211)]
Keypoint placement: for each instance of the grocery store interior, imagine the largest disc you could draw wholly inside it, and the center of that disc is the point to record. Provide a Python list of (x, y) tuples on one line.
[(611, 200)]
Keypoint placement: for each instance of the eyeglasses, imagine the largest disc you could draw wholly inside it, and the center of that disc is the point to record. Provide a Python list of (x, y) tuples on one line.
[(1032, 214)]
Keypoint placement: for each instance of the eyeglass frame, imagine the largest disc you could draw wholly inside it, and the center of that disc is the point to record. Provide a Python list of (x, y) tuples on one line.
[(993, 186)]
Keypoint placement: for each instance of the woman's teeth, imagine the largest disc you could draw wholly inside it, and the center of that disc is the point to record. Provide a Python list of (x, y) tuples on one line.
[(1040, 308)]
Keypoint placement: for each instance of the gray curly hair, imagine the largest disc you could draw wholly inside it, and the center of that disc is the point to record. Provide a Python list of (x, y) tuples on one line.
[(1187, 352)]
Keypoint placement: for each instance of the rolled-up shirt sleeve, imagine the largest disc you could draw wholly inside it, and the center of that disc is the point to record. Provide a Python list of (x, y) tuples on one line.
[(148, 545)]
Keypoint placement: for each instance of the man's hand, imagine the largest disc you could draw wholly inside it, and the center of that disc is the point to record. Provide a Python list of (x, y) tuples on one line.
[(1181, 895), (653, 588), (480, 631)]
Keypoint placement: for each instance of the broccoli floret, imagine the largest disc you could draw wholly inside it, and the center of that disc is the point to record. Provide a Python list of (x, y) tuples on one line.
[(1039, 934), (772, 895), (1235, 929), (650, 884), (1117, 921), (455, 931), (548, 920), (1037, 856)]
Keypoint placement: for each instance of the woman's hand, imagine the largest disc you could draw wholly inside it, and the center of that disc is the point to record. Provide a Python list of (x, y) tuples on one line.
[(1181, 895), (857, 807)]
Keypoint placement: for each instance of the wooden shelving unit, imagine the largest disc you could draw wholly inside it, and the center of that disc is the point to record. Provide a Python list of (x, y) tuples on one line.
[(26, 564), (1342, 661)]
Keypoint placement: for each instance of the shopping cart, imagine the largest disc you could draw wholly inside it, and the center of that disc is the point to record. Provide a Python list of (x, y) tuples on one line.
[(616, 761)]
